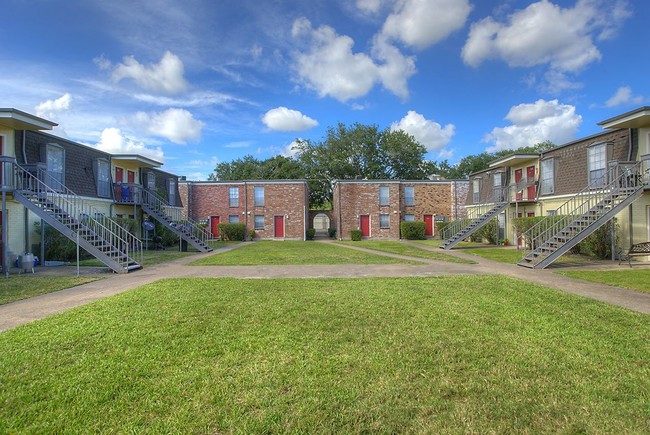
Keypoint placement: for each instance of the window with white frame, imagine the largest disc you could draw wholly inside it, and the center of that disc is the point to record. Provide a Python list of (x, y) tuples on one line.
[(55, 160), (171, 190), (259, 196), (597, 162), (259, 222), (547, 176), (233, 219), (409, 195), (384, 221), (383, 195), (409, 218), (233, 197), (476, 190), (103, 178), (151, 181)]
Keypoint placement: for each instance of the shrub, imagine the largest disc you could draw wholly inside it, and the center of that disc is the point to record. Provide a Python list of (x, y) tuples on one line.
[(331, 232), (311, 232), (236, 232), (599, 243), (412, 230), (58, 247), (355, 235), (252, 235), (440, 226), (487, 232)]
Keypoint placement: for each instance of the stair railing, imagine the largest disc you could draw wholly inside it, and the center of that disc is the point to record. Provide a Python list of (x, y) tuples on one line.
[(175, 215), (498, 196), (619, 181), (77, 210)]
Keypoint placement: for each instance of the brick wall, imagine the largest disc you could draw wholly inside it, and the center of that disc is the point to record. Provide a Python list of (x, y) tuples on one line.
[(353, 199), (288, 199)]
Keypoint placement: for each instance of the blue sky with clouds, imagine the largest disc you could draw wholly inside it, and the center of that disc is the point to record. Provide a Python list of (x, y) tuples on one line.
[(196, 82)]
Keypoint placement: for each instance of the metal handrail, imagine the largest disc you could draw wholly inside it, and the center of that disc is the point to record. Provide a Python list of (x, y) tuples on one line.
[(47, 187), (500, 195), (622, 176), (175, 214)]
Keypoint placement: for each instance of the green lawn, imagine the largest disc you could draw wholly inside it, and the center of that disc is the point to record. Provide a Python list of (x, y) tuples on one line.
[(25, 286), (479, 354), (294, 252), (405, 249), (635, 279)]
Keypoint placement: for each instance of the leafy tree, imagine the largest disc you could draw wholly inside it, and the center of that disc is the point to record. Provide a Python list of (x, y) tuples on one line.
[(250, 168)]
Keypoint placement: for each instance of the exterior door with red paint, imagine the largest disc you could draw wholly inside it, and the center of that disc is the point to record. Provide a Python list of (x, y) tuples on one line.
[(518, 176), (214, 225), (364, 225), (428, 225), (119, 177), (278, 227), (530, 174), (130, 176)]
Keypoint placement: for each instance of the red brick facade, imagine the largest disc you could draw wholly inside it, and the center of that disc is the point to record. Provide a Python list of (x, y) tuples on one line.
[(358, 201), (280, 213)]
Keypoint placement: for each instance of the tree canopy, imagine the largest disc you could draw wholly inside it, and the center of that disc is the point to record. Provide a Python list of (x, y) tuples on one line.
[(357, 152)]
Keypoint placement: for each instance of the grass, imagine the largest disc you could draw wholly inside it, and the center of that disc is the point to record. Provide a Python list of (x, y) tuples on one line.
[(635, 279), (294, 252), (478, 354), (405, 249), (24, 286)]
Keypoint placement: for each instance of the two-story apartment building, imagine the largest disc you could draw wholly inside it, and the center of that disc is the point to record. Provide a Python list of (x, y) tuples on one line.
[(274, 209), (579, 185), (376, 207)]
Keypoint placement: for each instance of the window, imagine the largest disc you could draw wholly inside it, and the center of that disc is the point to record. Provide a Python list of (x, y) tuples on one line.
[(384, 221), (597, 161), (476, 190), (55, 159), (259, 222), (233, 197), (233, 219), (551, 213), (259, 196), (409, 195), (171, 190), (103, 178), (383, 195), (151, 181), (409, 218), (547, 176)]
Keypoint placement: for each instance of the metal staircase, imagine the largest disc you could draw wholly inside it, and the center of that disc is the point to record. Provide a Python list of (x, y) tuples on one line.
[(171, 217), (621, 185), (460, 230), (77, 220)]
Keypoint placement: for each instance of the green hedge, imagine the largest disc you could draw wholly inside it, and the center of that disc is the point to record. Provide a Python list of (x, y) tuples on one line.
[(331, 232), (236, 232), (413, 230), (355, 235), (311, 232)]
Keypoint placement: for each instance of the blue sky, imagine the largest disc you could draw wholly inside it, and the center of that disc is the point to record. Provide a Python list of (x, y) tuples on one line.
[(197, 82)]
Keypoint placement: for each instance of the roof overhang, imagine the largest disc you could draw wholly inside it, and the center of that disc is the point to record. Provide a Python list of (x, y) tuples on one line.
[(142, 160), (638, 118), (513, 160), (19, 120)]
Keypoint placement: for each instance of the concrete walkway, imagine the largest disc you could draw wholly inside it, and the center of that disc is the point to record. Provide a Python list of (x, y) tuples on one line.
[(27, 310)]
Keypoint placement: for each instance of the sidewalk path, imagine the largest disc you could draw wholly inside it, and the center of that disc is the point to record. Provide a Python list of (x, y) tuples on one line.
[(27, 310)]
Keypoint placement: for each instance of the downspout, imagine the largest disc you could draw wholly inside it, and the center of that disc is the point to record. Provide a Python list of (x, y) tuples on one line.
[(629, 208), (246, 205), (304, 222), (340, 222), (26, 210)]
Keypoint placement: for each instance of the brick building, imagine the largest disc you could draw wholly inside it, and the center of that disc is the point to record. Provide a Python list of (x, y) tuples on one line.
[(275, 209), (377, 207)]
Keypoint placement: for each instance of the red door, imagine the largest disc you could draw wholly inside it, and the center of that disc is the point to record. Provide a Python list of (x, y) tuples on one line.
[(130, 175), (278, 226), (518, 174), (364, 224), (428, 225), (214, 225), (1, 245), (530, 174), (119, 174)]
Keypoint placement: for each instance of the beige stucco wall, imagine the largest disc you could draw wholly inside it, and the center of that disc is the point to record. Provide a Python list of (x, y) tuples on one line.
[(9, 139)]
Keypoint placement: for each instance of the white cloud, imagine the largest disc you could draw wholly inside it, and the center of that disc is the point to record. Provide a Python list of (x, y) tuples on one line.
[(331, 68), (624, 96), (291, 149), (535, 123), (165, 76), (49, 109), (239, 144), (422, 23), (546, 34), (429, 133), (113, 141), (370, 6), (176, 125), (283, 119)]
